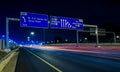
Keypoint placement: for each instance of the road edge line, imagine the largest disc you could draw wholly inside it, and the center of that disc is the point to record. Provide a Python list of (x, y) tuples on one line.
[(58, 70)]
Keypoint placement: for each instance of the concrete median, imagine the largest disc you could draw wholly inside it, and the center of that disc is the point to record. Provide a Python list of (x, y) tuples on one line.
[(4, 63)]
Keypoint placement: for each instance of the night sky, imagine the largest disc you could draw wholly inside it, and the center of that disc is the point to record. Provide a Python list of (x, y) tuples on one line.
[(104, 13)]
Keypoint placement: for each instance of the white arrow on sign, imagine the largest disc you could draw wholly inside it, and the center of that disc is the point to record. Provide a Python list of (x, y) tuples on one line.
[(24, 19)]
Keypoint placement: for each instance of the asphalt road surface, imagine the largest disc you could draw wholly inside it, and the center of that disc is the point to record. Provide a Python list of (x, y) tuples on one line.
[(36, 60)]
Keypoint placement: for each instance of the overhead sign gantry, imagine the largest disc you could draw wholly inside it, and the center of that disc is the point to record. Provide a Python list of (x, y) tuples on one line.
[(41, 21)]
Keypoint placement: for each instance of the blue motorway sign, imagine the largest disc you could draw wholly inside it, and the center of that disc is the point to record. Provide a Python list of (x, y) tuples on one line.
[(33, 20), (66, 23)]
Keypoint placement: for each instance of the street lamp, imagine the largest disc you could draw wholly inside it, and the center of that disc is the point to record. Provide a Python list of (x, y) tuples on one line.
[(118, 37), (32, 33)]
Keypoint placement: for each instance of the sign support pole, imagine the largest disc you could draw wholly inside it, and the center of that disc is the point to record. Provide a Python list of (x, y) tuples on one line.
[(7, 49), (44, 35), (77, 38), (114, 37), (96, 32), (97, 39), (7, 35)]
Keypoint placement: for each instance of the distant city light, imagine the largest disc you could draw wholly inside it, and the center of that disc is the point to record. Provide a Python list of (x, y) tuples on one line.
[(36, 41), (32, 41), (31, 45), (86, 38), (51, 41), (66, 40), (21, 45), (40, 44), (3, 36), (48, 42), (80, 40), (10, 41), (28, 37), (58, 41)]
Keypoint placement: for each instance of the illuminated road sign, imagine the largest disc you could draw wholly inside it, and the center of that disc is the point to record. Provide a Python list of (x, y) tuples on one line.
[(33, 20), (66, 23)]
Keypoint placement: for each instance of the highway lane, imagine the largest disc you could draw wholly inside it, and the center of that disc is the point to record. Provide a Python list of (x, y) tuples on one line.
[(64, 61), (28, 63)]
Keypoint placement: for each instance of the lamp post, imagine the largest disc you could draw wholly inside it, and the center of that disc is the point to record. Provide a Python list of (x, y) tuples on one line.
[(118, 38), (7, 49), (28, 38)]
